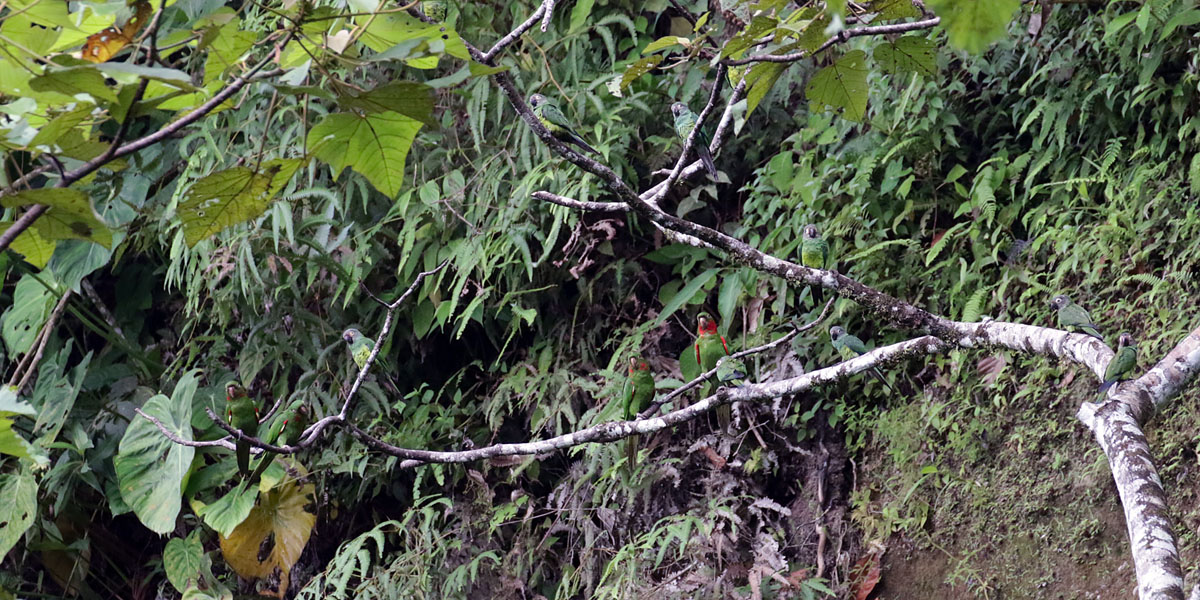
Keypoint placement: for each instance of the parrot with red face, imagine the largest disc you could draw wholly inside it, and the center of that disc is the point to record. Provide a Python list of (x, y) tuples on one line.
[(637, 395), (711, 347)]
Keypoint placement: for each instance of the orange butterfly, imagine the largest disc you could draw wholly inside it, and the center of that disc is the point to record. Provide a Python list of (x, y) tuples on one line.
[(104, 45)]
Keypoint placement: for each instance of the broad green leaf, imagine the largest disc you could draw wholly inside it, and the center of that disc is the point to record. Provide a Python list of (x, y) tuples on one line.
[(384, 31), (31, 306), (408, 98), (56, 392), (909, 54), (74, 81), (634, 71), (728, 296), (685, 294), (759, 79), (665, 42), (150, 467), (70, 215), (759, 27), (185, 562), (35, 248), (895, 9), (375, 145), (232, 196), (278, 527), (841, 86), (127, 74), (10, 405), (482, 70), (1184, 19), (50, 133), (19, 490), (972, 25), (11, 442), (579, 14), (227, 49), (230, 510)]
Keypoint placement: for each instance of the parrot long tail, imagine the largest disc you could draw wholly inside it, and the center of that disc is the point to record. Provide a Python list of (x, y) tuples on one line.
[(631, 451), (724, 416), (243, 458), (706, 158), (818, 295), (263, 462), (578, 141), (877, 375), (1107, 384)]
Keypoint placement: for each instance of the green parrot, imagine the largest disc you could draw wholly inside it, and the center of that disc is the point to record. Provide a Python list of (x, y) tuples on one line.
[(434, 9), (711, 347), (685, 121), (285, 429), (1073, 316), (548, 113), (242, 414), (814, 254), (636, 395), (849, 346), (1122, 363), (360, 346), (294, 424)]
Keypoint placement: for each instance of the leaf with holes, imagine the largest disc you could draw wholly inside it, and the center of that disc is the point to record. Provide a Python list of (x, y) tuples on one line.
[(232, 196), (759, 80), (375, 145), (636, 70), (909, 54), (73, 81), (230, 510), (841, 86), (70, 215), (19, 490), (274, 534), (151, 468), (972, 25)]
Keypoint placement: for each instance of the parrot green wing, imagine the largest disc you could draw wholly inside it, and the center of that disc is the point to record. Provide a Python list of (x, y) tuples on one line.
[(685, 122), (242, 414), (814, 254), (712, 348), (855, 345), (1122, 363), (731, 370), (1074, 315)]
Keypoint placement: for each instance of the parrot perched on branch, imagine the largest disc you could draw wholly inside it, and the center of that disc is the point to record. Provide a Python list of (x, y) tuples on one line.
[(285, 430), (1073, 316), (242, 413), (1122, 363), (849, 346), (814, 254), (711, 347), (553, 119), (360, 346), (685, 122), (636, 395)]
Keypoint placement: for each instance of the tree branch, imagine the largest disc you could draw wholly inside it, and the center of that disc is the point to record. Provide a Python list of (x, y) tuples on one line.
[(838, 38)]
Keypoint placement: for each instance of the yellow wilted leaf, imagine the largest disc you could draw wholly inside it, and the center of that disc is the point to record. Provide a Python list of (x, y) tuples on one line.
[(102, 46), (274, 534)]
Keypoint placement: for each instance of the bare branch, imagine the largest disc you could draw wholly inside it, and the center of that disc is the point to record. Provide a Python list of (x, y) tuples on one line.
[(30, 362), (518, 32), (838, 38), (170, 435), (1174, 371), (547, 12), (616, 430), (581, 204)]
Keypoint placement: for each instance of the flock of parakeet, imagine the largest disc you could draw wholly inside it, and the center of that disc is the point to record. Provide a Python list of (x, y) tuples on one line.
[(711, 349), (242, 412)]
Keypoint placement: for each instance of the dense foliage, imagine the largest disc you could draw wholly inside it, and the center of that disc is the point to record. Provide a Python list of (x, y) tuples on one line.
[(1059, 155)]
